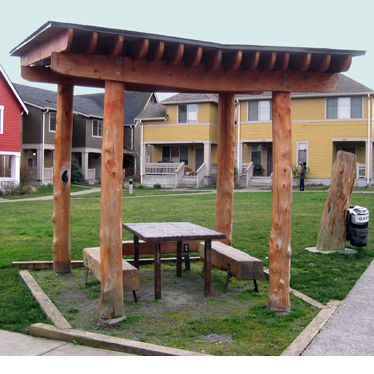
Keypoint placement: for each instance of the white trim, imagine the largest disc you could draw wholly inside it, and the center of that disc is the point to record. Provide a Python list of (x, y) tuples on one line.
[(49, 121), (257, 140), (6, 153), (182, 142), (188, 122), (85, 149), (102, 128), (1, 119), (297, 151), (350, 108), (258, 111), (349, 139), (182, 124)]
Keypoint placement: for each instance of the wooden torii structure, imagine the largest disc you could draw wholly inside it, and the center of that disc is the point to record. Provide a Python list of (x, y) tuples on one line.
[(70, 55)]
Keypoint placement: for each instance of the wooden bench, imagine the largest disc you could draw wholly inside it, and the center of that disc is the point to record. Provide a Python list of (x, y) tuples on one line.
[(131, 275), (235, 262)]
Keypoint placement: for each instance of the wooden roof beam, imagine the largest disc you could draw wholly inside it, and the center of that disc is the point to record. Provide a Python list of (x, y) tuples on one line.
[(267, 61), (138, 48), (213, 60), (232, 60), (139, 73), (320, 62), (59, 43), (250, 60), (340, 63), (300, 61), (192, 57), (174, 53), (155, 50)]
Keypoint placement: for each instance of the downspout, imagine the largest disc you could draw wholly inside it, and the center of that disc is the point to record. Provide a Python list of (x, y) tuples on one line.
[(141, 152), (239, 139), (43, 139), (368, 144)]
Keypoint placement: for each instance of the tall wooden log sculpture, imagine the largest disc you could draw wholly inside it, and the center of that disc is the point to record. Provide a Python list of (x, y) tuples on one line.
[(332, 231), (225, 166), (111, 299), (62, 180), (280, 236)]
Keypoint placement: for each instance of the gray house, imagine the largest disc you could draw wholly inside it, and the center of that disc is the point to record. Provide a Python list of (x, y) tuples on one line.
[(39, 126)]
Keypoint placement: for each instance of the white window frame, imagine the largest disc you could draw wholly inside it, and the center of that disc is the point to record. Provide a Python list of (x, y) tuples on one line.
[(50, 116), (1, 119), (297, 151), (259, 149), (260, 111), (98, 128), (339, 109), (189, 107)]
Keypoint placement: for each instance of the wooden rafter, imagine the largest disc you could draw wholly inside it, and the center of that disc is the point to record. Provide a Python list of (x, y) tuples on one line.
[(267, 61), (138, 49), (192, 57), (174, 54), (155, 50)]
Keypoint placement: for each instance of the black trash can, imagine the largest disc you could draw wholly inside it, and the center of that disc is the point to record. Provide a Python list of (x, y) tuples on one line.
[(358, 225)]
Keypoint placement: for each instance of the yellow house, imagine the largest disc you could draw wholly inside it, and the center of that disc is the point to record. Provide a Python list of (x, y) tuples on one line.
[(179, 136)]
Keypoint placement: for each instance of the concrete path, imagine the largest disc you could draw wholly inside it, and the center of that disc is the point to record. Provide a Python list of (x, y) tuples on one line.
[(350, 330), (15, 344)]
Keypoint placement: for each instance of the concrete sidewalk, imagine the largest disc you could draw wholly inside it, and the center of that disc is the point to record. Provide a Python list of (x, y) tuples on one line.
[(350, 330), (15, 344)]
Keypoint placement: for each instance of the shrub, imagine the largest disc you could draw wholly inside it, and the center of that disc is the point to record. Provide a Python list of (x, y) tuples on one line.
[(76, 174), (157, 185)]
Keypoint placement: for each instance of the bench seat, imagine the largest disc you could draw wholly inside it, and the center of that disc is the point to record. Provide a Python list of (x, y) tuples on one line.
[(237, 263), (131, 275)]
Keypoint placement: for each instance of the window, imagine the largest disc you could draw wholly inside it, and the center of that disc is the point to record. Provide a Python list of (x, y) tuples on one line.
[(97, 128), (187, 113), (302, 152), (259, 110), (344, 107), (52, 122), (175, 154), (256, 154)]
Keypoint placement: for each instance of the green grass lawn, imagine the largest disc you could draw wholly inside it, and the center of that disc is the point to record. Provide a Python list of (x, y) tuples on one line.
[(26, 234)]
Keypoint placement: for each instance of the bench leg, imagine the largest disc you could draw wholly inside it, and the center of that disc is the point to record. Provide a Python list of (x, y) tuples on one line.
[(85, 279), (227, 279), (255, 283), (135, 297)]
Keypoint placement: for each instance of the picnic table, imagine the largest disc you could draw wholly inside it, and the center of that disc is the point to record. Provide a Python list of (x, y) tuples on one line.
[(173, 231)]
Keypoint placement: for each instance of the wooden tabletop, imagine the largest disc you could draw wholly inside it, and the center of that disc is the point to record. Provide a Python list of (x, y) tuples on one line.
[(171, 231)]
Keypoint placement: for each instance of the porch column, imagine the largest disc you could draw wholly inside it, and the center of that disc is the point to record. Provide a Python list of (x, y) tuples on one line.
[(15, 165), (85, 165), (62, 180), (280, 236), (111, 299), (40, 163), (207, 157), (225, 165)]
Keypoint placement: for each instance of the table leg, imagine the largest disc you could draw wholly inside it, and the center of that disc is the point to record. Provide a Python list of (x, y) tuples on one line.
[(136, 252), (208, 268), (157, 267), (179, 258)]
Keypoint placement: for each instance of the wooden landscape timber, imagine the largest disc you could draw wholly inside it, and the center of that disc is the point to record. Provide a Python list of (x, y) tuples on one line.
[(333, 227), (69, 54)]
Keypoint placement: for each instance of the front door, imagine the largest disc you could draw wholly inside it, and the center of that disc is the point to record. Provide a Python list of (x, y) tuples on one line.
[(269, 162), (199, 158)]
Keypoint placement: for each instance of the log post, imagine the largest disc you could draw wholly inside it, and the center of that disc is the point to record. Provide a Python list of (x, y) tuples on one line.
[(333, 228), (225, 165), (280, 236), (61, 245), (111, 298)]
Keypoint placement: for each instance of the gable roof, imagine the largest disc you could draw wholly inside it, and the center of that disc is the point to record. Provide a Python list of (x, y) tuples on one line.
[(89, 105), (11, 86), (191, 98)]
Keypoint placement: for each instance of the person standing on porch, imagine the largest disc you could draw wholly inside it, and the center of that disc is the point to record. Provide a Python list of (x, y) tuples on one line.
[(302, 175)]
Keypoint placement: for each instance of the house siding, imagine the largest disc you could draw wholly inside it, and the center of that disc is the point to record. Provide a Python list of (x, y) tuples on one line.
[(10, 139), (32, 129), (91, 141), (79, 131), (49, 136)]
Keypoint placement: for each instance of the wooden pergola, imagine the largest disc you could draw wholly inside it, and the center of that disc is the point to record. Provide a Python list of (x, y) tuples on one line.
[(75, 55)]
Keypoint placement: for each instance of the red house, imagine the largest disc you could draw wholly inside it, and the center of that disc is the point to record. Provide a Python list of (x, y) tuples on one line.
[(11, 109)]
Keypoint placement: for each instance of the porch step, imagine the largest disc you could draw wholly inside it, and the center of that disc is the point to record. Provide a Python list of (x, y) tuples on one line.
[(188, 182), (260, 182)]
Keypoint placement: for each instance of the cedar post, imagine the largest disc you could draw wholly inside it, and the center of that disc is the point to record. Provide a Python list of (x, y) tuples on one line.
[(61, 245), (333, 228), (111, 298), (280, 236), (225, 165)]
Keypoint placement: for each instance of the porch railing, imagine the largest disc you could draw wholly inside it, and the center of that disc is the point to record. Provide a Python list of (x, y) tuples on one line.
[(200, 174), (91, 174), (179, 172), (361, 170), (48, 175), (247, 171), (162, 167)]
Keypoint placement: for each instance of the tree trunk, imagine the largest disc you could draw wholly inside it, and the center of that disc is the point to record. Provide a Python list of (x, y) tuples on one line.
[(333, 228), (280, 236), (61, 245), (111, 300), (225, 166)]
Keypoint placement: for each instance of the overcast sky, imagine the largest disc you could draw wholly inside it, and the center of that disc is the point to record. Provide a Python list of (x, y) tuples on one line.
[(319, 23)]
